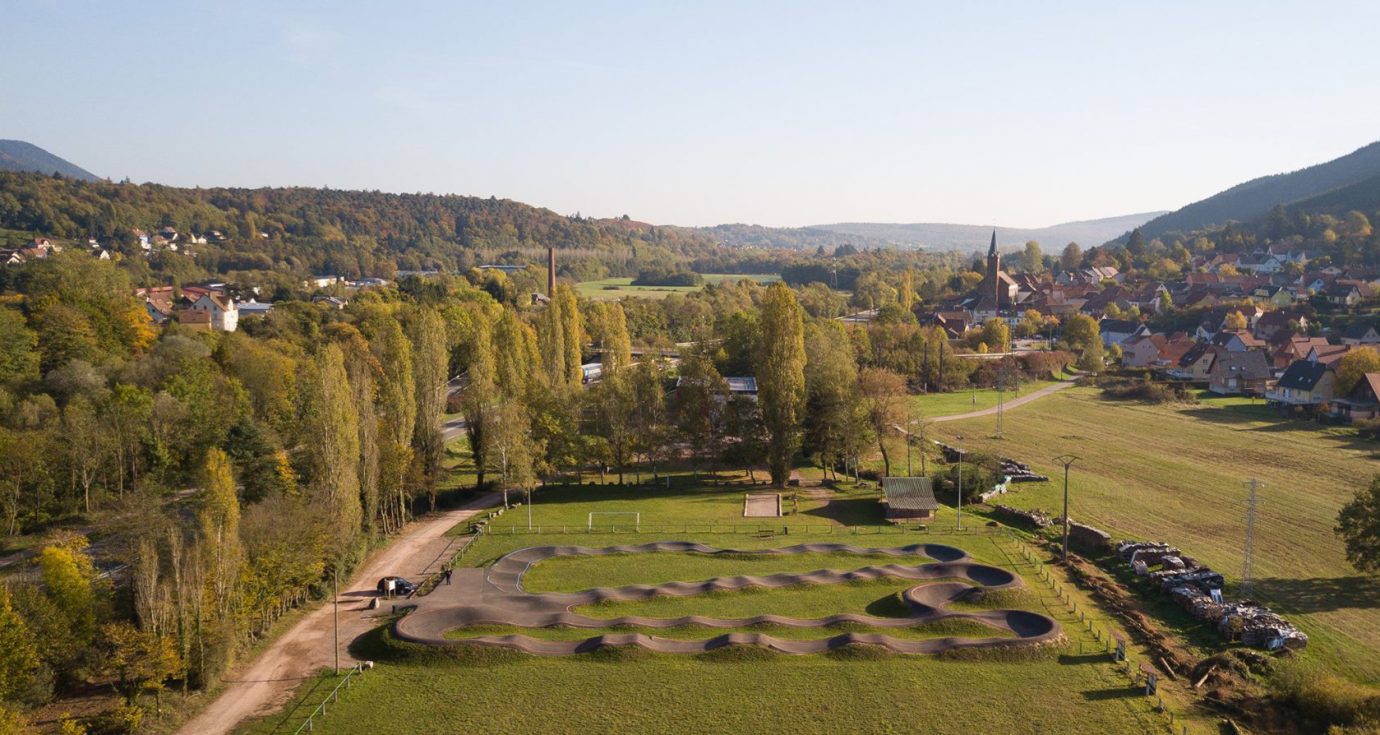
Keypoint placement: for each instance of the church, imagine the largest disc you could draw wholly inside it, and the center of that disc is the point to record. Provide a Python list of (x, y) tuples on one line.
[(998, 293)]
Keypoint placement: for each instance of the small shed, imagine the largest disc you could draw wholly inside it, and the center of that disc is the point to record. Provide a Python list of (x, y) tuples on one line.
[(909, 498)]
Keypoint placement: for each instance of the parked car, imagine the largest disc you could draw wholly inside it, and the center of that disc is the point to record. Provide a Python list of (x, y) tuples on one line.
[(401, 587)]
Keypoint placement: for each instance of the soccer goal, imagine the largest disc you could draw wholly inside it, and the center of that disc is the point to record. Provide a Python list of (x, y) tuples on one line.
[(636, 518)]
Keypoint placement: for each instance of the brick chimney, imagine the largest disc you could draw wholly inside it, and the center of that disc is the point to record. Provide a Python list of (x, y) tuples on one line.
[(551, 272)]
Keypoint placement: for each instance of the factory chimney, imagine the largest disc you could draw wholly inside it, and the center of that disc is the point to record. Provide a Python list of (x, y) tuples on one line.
[(551, 272)]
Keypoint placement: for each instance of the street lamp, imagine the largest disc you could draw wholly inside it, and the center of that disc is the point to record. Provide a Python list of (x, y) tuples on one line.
[(1066, 460)]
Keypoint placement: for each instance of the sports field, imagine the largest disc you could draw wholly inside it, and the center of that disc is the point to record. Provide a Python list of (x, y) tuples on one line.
[(1178, 474), (736, 689), (620, 288)]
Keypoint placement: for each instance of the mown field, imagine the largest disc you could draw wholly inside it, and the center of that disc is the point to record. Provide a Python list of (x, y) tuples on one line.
[(930, 405), (1178, 474), (738, 689), (620, 288)]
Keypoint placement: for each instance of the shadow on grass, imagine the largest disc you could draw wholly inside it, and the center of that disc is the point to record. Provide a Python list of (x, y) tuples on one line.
[(1068, 659), (1319, 594), (850, 511), (1098, 695), (1260, 418)]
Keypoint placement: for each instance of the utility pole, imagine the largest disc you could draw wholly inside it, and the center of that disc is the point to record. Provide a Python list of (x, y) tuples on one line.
[(958, 508), (1066, 460), (1248, 557), (1001, 387), (335, 604)]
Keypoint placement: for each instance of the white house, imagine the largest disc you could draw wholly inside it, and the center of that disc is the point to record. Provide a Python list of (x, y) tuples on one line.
[(225, 317)]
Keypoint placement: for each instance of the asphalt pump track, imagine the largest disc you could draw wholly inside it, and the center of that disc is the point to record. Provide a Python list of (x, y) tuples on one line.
[(496, 597)]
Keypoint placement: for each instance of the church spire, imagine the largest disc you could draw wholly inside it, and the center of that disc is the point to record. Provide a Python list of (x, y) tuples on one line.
[(993, 250)]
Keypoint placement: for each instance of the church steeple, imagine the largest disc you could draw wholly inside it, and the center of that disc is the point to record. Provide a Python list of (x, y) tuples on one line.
[(993, 280)]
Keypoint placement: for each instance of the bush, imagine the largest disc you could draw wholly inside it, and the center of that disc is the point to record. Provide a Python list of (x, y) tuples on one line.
[(667, 277), (1322, 700), (1144, 390)]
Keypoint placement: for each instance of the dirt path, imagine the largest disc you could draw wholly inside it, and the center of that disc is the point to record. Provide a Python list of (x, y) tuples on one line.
[(1013, 403), (262, 685)]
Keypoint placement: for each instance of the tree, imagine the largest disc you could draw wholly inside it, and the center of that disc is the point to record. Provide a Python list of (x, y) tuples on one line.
[(1358, 524), (77, 606), (219, 519), (781, 378), (18, 348), (996, 335), (1235, 321), (397, 408), (1353, 366), (1082, 333), (831, 382), (1032, 258), (88, 445), (136, 660), (700, 395), (511, 451), (330, 434), (429, 367), (23, 676), (1072, 257), (884, 395)]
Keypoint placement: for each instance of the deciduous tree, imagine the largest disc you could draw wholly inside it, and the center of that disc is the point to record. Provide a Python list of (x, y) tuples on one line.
[(781, 378)]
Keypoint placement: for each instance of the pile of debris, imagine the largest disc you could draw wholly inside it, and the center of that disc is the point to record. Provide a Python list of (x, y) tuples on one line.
[(1020, 472), (1198, 590), (1013, 470), (1033, 517), (1093, 540)]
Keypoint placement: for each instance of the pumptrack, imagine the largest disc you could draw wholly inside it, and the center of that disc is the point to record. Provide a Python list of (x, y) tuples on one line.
[(496, 597)]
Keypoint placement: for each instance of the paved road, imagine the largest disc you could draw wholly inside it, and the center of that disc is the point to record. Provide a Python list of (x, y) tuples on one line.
[(260, 686), (1013, 403)]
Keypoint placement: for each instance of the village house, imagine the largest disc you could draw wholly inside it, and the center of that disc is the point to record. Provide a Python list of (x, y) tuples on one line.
[(1361, 404), (1196, 364), (908, 499), (1342, 295), (1237, 373), (1361, 334), (222, 316), (1118, 331), (1237, 341), (1305, 385)]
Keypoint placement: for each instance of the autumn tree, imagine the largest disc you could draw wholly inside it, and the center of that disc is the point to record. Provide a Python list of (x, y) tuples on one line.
[(430, 361), (1072, 257), (136, 660), (1032, 259), (397, 412), (831, 383), (884, 396), (23, 675), (1353, 367), (700, 396), (331, 446), (1358, 524), (781, 378)]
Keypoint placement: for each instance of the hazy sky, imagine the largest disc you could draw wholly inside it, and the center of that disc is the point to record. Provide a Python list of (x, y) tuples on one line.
[(1022, 114)]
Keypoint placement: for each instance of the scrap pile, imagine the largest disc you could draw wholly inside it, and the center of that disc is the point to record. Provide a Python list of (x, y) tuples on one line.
[(1260, 627), (1198, 590), (1033, 517), (1013, 470), (1020, 472)]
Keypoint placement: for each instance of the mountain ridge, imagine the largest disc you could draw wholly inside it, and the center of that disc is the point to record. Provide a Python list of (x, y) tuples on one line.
[(21, 155), (1253, 199)]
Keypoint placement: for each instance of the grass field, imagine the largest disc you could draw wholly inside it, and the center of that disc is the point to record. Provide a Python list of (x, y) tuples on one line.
[(621, 288), (736, 690), (1177, 473), (946, 404)]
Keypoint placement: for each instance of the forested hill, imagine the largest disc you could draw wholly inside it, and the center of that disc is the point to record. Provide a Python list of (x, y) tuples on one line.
[(17, 155), (329, 230), (1255, 198), (945, 236)]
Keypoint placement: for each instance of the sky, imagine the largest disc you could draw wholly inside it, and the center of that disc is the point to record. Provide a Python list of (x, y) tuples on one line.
[(782, 114)]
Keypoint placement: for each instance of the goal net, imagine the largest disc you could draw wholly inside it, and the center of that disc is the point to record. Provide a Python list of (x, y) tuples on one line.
[(613, 519)]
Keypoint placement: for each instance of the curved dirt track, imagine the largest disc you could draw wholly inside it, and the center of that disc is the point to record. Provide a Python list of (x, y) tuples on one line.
[(497, 597)]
